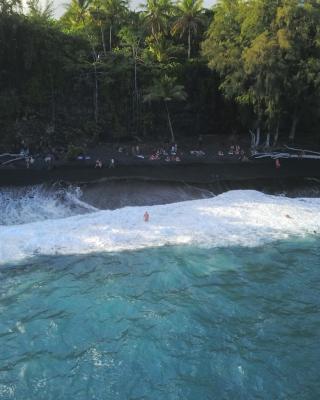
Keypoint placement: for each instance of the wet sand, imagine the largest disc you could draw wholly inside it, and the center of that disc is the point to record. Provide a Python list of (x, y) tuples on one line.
[(123, 193)]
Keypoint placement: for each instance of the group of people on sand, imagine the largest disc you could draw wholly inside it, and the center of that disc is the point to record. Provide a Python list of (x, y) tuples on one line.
[(99, 163), (170, 153), (166, 155), (234, 150)]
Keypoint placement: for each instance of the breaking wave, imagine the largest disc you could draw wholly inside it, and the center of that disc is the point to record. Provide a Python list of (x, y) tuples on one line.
[(242, 217), (38, 203)]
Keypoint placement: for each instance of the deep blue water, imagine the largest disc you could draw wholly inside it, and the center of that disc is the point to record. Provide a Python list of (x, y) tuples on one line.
[(167, 323)]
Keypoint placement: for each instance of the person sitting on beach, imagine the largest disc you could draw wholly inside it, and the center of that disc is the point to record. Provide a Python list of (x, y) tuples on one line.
[(231, 150), (243, 156), (98, 163), (146, 216), (29, 161), (220, 153), (48, 160)]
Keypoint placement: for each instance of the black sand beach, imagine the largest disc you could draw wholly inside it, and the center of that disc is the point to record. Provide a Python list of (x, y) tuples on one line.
[(192, 173)]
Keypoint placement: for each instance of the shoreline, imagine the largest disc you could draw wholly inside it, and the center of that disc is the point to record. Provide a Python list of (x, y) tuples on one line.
[(184, 172)]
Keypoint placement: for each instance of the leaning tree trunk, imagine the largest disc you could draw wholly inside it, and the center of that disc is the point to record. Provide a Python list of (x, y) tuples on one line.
[(189, 43), (170, 123), (292, 134)]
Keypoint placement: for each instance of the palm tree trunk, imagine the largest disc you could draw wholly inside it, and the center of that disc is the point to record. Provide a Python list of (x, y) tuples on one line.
[(293, 128), (135, 74), (276, 135), (258, 136), (267, 144), (53, 104), (96, 108), (95, 97), (189, 43), (110, 37), (103, 40), (170, 123)]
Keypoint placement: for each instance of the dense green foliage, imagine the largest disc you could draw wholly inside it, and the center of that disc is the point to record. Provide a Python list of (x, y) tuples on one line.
[(94, 75), (268, 56)]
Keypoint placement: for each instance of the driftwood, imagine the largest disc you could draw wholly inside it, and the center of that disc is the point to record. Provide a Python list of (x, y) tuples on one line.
[(302, 150), (11, 161), (10, 155), (286, 155)]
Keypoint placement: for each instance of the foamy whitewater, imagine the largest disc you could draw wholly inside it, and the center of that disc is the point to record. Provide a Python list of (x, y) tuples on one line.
[(37, 203), (245, 218)]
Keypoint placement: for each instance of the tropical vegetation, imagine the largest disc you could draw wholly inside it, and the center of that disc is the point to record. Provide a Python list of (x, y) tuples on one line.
[(169, 70)]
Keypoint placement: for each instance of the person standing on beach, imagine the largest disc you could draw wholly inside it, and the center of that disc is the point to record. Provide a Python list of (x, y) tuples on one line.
[(146, 216)]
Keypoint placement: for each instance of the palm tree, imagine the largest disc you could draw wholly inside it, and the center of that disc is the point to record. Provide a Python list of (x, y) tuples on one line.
[(99, 17), (166, 90), (77, 14), (114, 10), (190, 17), (132, 38), (157, 13)]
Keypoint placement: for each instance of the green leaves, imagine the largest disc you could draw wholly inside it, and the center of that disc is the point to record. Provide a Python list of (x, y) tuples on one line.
[(266, 53), (165, 89)]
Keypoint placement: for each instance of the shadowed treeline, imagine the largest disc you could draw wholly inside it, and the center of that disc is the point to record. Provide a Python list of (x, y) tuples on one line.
[(172, 70)]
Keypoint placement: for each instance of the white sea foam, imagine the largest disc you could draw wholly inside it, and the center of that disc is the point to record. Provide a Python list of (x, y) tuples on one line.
[(245, 218), (37, 203)]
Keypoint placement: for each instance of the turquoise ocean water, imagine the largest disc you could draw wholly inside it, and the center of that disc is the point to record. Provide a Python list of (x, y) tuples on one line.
[(167, 323)]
